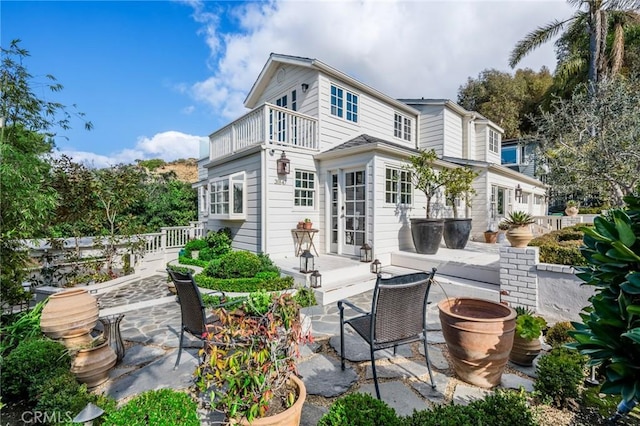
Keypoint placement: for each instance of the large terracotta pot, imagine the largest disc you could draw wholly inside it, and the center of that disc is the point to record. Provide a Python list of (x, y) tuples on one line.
[(92, 365), (69, 311), (524, 351), (519, 236), (76, 339), (479, 335), (290, 416)]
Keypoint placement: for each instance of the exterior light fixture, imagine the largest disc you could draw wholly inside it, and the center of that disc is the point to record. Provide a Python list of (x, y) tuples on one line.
[(365, 253), (305, 87), (283, 165), (376, 267), (307, 264), (315, 279), (519, 193)]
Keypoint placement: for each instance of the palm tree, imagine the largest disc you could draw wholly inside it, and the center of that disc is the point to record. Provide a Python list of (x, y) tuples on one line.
[(594, 21)]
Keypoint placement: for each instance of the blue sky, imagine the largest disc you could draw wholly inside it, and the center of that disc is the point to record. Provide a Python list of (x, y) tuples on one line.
[(157, 77)]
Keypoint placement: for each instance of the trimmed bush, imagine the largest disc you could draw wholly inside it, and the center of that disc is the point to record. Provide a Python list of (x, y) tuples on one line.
[(235, 264), (184, 260), (560, 373), (197, 244), (30, 364), (164, 407), (561, 247), (244, 285), (359, 409), (558, 334), (218, 244), (305, 297)]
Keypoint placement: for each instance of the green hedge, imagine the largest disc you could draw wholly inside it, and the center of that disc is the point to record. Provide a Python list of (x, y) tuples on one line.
[(561, 247), (184, 260), (244, 285)]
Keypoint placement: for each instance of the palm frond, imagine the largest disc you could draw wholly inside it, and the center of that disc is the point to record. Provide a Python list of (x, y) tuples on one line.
[(535, 39)]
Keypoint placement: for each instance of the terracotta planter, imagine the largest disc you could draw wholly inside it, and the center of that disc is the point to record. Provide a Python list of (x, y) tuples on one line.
[(69, 311), (479, 335), (76, 339), (91, 366), (519, 236), (307, 225), (289, 417), (524, 351), (490, 237), (571, 211)]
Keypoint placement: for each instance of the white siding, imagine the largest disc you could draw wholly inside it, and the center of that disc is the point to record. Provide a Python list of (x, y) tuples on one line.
[(482, 142), (453, 142), (293, 79)]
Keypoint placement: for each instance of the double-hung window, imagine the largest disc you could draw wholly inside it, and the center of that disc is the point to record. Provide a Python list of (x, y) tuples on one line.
[(397, 186), (305, 189), (228, 197), (343, 101), (494, 141), (402, 127)]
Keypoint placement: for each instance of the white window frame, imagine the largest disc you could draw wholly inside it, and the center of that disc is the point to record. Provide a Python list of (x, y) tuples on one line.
[(203, 197), (494, 141), (398, 188), (343, 103), (304, 189), (224, 201), (402, 127)]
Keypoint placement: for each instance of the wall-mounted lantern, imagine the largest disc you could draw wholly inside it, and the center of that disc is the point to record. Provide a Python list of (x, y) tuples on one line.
[(519, 193), (376, 267), (283, 165), (307, 264), (365, 253), (315, 280), (305, 87)]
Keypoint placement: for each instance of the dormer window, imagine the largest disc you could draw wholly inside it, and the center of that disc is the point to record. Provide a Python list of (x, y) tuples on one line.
[(494, 141), (402, 127)]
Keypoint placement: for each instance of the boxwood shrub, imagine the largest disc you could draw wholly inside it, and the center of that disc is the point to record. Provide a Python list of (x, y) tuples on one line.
[(561, 247), (244, 285), (359, 409), (560, 374), (235, 264), (157, 407)]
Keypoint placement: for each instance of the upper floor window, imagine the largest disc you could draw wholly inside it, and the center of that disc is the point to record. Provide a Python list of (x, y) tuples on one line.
[(305, 189), (397, 186), (494, 141), (402, 127), (227, 196), (338, 104)]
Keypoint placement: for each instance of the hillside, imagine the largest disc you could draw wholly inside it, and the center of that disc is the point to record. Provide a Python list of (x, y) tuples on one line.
[(186, 170)]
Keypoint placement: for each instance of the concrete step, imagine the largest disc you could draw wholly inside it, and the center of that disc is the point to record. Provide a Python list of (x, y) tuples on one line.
[(482, 267), (345, 289)]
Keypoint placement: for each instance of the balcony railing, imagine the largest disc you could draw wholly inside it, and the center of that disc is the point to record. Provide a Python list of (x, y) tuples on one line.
[(269, 124)]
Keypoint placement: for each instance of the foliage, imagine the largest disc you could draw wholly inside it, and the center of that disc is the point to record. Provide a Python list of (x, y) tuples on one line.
[(219, 243), (243, 285), (610, 330), (507, 100), (424, 176), (518, 218), (529, 326), (167, 202), (18, 327), (196, 244), (235, 264), (32, 362), (248, 358), (64, 395), (163, 407), (305, 297), (458, 182), (592, 144), (559, 375), (151, 164), (561, 247), (359, 409), (184, 260), (558, 334), (26, 200), (502, 408)]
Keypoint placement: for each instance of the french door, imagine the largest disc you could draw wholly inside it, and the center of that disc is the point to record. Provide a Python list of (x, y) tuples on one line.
[(348, 212)]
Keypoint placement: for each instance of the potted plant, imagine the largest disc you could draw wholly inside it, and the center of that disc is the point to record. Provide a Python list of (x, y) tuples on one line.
[(249, 361), (490, 236), (503, 227), (526, 342), (571, 208), (458, 183), (307, 224), (92, 362), (426, 232), (519, 233)]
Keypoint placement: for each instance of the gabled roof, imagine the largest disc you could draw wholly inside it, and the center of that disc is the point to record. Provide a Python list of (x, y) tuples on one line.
[(496, 167), (276, 60)]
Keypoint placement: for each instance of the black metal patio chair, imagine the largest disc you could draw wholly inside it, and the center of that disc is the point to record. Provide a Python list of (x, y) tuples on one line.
[(398, 316), (194, 318)]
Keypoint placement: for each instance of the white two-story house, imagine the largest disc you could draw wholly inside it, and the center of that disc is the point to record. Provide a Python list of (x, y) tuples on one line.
[(346, 144)]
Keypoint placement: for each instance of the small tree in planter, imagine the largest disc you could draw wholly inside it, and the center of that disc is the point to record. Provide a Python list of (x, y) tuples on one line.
[(249, 360), (426, 232), (458, 183)]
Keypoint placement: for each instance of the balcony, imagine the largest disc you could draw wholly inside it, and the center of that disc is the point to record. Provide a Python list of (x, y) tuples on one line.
[(267, 124)]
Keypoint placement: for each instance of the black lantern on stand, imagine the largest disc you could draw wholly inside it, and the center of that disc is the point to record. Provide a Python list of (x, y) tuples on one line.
[(307, 264), (365, 253), (315, 280), (376, 267)]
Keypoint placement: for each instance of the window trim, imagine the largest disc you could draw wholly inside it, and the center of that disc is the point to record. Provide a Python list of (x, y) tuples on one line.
[(494, 142), (313, 190), (232, 180), (402, 127), (399, 197), (346, 104)]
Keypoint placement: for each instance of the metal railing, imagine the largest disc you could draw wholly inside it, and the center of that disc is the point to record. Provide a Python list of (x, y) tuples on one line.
[(269, 124)]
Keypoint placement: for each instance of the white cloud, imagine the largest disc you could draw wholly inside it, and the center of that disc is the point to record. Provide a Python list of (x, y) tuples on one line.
[(402, 48), (169, 146)]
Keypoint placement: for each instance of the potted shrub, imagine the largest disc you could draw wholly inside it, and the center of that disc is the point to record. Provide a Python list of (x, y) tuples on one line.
[(426, 232), (249, 361), (519, 233), (526, 342), (307, 224), (571, 208), (458, 183)]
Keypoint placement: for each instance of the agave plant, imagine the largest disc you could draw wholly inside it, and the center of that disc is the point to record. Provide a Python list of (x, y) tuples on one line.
[(518, 218)]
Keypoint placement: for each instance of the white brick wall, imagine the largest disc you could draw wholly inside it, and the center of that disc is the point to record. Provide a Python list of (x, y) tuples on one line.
[(518, 276)]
